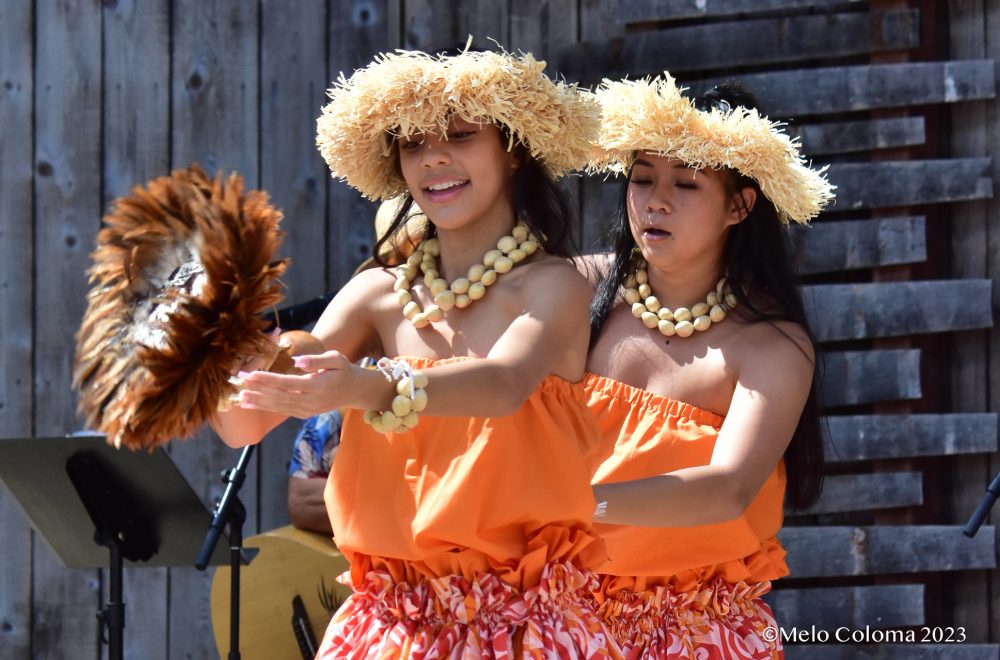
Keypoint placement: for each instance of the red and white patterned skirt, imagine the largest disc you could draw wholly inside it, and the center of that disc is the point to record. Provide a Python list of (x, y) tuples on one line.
[(455, 617), (716, 621)]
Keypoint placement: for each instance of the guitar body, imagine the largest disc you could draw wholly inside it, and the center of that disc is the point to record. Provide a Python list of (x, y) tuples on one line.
[(291, 562)]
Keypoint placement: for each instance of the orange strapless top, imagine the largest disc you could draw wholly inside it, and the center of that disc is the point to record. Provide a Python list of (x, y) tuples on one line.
[(644, 434), (467, 495)]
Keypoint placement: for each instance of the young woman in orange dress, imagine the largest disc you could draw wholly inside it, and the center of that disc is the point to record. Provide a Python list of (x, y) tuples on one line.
[(461, 489), (701, 371)]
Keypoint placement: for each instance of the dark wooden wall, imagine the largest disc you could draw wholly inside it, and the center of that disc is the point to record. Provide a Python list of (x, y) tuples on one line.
[(898, 97)]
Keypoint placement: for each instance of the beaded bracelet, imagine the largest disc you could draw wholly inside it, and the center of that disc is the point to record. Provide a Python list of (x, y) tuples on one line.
[(410, 399)]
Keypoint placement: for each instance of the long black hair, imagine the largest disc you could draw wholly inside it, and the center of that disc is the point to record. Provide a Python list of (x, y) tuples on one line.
[(537, 198), (759, 270)]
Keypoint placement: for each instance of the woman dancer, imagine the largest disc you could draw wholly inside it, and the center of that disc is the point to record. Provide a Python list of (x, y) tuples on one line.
[(701, 371), (469, 532)]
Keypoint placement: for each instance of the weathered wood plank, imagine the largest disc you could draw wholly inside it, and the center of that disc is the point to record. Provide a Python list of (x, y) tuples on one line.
[(599, 20), (599, 203), (293, 88), (16, 287), (352, 44), (911, 182), (439, 24), (292, 43), (839, 312), (856, 88), (826, 247), (136, 101), (827, 608), (865, 492), (844, 551), (215, 122), (15, 578), (394, 25), (485, 20), (642, 11), (864, 135), (67, 212), (16, 249), (871, 437), (856, 377), (749, 42), (428, 24), (543, 27), (136, 149), (884, 651)]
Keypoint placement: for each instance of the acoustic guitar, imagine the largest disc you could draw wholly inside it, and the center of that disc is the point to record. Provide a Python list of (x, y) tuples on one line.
[(288, 593)]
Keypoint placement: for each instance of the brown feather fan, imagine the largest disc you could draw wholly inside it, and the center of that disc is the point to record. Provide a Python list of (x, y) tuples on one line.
[(182, 272)]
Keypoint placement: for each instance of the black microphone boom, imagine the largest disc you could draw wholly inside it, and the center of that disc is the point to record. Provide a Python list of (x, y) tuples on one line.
[(992, 492)]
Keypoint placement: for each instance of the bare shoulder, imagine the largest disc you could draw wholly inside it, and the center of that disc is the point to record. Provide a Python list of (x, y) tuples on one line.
[(556, 277), (367, 292), (371, 281), (772, 345)]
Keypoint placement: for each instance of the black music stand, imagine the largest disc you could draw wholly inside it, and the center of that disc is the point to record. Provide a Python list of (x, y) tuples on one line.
[(141, 506)]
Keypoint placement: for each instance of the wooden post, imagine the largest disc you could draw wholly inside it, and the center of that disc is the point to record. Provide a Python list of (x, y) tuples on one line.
[(969, 363), (991, 30)]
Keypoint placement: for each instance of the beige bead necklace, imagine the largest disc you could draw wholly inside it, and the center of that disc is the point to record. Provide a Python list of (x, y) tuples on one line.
[(682, 321), (510, 251)]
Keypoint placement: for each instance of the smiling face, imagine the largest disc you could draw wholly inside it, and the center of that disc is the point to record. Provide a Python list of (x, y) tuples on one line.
[(459, 178), (680, 216)]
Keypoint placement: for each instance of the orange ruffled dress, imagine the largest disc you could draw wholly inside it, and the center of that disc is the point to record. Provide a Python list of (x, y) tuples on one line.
[(470, 537), (683, 592)]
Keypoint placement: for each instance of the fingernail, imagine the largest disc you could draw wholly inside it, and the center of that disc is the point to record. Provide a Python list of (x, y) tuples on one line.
[(236, 381), (243, 374), (248, 406), (300, 361)]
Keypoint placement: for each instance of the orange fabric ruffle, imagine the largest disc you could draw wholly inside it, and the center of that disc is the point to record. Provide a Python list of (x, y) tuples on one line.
[(455, 617), (712, 620)]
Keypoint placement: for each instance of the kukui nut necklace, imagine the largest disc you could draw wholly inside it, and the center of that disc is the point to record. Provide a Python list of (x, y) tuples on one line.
[(682, 321), (510, 251)]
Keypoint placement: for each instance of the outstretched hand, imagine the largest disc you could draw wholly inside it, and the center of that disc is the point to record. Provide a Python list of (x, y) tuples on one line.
[(323, 386)]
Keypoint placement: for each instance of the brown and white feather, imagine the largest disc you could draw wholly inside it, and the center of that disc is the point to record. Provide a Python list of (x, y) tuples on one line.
[(183, 270)]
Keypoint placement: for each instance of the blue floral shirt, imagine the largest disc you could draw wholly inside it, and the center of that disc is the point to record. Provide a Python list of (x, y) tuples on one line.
[(312, 452)]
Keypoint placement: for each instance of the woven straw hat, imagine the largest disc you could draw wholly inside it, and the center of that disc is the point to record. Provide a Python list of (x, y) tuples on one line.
[(652, 115), (406, 92)]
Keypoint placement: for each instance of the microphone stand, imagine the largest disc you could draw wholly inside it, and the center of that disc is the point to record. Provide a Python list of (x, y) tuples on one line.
[(992, 493), (230, 511)]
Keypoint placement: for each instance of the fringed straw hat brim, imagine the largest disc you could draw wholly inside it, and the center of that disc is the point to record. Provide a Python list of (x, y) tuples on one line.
[(653, 116), (405, 93)]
